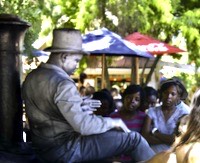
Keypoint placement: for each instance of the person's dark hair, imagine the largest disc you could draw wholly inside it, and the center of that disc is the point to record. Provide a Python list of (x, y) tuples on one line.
[(149, 91), (131, 89), (106, 90), (104, 95), (193, 129), (82, 77)]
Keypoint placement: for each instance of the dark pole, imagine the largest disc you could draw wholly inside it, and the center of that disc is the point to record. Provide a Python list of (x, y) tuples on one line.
[(152, 69), (135, 70), (12, 32)]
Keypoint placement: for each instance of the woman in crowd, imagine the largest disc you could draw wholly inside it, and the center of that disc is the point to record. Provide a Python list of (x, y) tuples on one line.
[(161, 121), (186, 150), (130, 112)]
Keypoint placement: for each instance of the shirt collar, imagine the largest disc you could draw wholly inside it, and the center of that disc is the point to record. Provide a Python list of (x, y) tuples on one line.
[(54, 67)]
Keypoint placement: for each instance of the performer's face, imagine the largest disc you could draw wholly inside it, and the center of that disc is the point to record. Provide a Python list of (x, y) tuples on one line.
[(71, 62)]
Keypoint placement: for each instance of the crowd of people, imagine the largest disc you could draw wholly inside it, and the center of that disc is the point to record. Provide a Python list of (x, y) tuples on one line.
[(160, 116), (68, 124)]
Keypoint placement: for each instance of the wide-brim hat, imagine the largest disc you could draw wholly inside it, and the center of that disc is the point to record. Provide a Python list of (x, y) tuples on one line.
[(66, 40), (178, 82)]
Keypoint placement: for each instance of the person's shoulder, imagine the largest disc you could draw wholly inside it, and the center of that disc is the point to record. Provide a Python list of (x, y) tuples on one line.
[(195, 149), (192, 148), (154, 109), (194, 154), (184, 108), (182, 104), (142, 114)]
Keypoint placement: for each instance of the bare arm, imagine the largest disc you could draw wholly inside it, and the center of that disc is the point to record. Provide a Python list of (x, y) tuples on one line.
[(167, 139), (164, 157), (146, 132)]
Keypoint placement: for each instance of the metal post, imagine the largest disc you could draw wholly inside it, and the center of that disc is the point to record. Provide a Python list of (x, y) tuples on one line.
[(12, 32)]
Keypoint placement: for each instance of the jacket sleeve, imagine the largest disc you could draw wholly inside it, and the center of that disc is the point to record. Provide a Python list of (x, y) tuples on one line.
[(69, 102)]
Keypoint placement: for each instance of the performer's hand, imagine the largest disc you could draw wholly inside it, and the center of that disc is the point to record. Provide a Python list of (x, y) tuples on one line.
[(119, 124), (92, 103), (87, 108)]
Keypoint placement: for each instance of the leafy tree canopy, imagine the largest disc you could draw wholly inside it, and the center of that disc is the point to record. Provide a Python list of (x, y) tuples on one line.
[(165, 20), (28, 11)]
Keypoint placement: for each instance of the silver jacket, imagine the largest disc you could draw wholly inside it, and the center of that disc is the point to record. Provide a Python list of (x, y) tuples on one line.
[(53, 108)]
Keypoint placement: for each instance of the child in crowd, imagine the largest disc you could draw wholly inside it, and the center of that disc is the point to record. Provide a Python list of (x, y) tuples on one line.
[(161, 121), (186, 148), (107, 103), (130, 112), (151, 95)]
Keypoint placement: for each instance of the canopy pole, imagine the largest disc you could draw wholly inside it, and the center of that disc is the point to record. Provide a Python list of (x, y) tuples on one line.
[(103, 71), (107, 79), (135, 70), (143, 70), (152, 69)]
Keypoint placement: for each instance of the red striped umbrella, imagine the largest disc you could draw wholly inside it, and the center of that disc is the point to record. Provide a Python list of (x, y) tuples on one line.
[(154, 46), (147, 43)]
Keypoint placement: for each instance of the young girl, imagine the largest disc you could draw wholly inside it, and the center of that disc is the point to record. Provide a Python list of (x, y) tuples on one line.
[(186, 150), (107, 103), (151, 96), (130, 112), (161, 121)]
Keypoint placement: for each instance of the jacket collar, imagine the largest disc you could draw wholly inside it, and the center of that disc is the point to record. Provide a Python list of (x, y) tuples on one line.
[(54, 67)]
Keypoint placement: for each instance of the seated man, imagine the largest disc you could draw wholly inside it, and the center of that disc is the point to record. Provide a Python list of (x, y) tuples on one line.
[(61, 130)]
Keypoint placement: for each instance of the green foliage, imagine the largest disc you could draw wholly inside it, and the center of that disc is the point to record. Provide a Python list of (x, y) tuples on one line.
[(191, 83), (27, 11), (87, 16), (59, 13), (189, 24), (188, 80), (82, 65), (190, 4), (164, 19)]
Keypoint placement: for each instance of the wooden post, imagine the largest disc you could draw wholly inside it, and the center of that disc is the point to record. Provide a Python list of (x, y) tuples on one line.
[(152, 69), (103, 59), (135, 71), (142, 74)]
